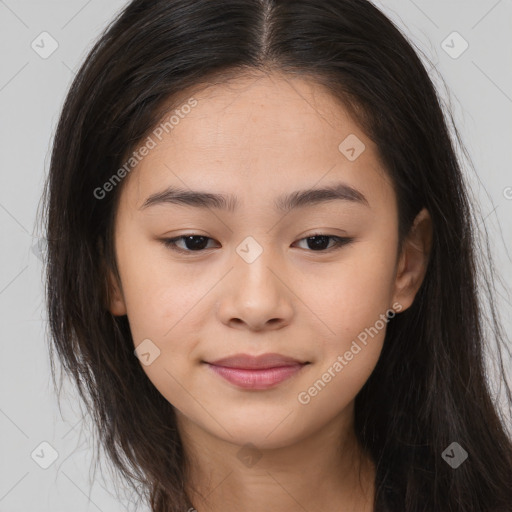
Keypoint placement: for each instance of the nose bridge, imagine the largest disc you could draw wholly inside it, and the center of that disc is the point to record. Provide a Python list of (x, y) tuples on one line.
[(255, 294), (254, 262)]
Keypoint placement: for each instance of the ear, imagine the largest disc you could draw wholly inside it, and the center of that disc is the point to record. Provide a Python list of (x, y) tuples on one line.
[(413, 260), (116, 304)]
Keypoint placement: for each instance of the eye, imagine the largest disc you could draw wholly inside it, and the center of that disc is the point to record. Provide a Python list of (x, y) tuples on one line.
[(193, 243), (318, 242), (197, 243)]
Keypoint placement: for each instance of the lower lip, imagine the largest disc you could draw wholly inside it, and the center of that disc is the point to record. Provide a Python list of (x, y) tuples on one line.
[(257, 379)]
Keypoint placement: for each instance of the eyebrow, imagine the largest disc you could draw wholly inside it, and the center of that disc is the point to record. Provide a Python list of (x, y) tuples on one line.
[(285, 203)]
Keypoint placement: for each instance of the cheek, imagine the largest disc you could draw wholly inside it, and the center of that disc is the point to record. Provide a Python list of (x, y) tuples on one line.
[(159, 295), (339, 379), (347, 358), (165, 305), (356, 306), (354, 293)]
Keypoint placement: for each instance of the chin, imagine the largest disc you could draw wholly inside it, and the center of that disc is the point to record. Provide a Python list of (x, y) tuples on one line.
[(264, 435)]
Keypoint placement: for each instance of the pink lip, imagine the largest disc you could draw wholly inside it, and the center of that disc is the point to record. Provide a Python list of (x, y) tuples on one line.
[(256, 372)]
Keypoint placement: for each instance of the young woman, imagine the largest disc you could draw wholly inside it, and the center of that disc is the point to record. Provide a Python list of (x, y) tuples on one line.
[(262, 265)]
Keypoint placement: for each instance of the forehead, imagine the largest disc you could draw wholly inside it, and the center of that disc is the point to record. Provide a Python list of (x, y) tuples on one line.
[(259, 135), (265, 112)]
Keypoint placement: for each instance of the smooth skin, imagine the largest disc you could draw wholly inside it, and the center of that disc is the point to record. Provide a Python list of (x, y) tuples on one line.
[(257, 138)]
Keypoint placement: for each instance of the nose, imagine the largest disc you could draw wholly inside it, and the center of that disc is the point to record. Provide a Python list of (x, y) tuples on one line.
[(256, 295)]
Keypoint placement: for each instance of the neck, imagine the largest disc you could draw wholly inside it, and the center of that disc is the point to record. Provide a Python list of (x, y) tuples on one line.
[(326, 471)]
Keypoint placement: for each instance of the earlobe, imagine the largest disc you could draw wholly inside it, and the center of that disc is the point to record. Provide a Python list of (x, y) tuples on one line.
[(413, 260), (116, 304)]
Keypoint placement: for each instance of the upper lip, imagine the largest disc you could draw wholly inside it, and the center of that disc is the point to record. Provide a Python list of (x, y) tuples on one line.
[(246, 361)]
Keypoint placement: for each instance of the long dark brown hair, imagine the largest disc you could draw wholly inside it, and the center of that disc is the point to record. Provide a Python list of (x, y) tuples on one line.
[(431, 386)]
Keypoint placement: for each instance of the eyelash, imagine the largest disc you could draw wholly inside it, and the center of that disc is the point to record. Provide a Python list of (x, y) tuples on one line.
[(339, 242)]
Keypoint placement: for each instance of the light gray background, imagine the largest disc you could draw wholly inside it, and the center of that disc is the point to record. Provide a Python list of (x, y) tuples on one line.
[(32, 91)]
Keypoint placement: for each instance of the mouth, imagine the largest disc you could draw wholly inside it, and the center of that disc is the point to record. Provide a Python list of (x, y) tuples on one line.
[(256, 372)]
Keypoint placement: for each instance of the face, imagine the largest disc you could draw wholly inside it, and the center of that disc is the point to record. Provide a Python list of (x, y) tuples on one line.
[(275, 268)]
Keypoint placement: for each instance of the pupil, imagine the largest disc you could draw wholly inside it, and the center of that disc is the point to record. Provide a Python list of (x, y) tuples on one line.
[(195, 246), (317, 241)]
